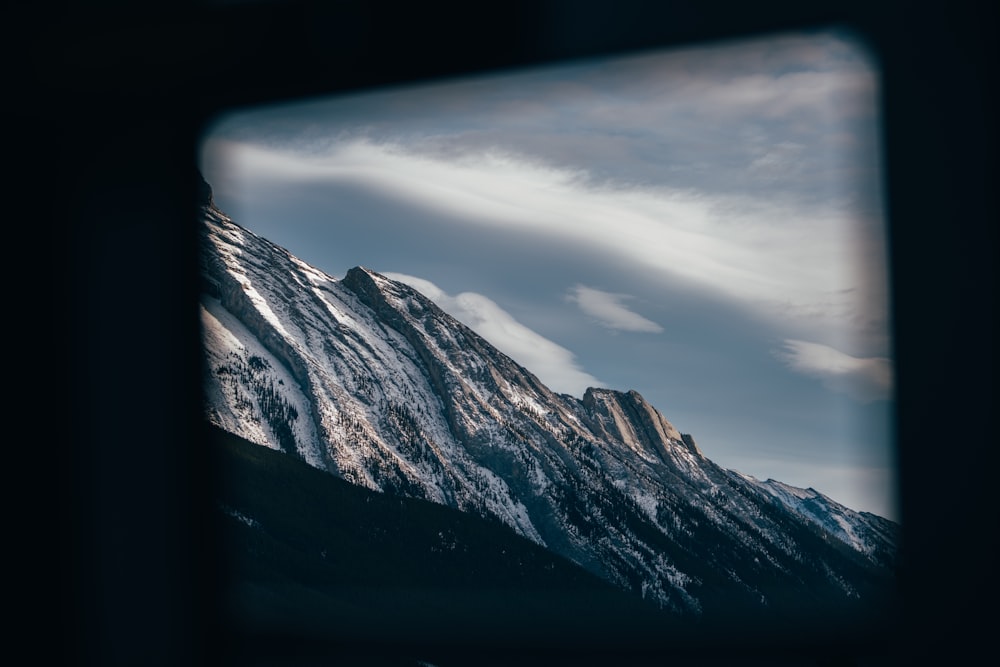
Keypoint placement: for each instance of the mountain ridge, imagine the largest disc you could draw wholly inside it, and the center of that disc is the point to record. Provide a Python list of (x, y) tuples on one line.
[(368, 379)]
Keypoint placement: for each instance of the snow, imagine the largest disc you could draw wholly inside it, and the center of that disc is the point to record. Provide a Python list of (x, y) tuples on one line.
[(822, 511), (240, 516), (524, 400), (646, 501), (225, 334), (219, 342)]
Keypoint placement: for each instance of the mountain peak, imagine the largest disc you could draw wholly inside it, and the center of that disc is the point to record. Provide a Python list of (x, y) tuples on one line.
[(360, 269), (631, 418), (359, 275), (375, 290), (204, 191)]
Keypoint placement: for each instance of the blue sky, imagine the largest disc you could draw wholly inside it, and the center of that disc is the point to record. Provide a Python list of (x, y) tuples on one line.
[(703, 225)]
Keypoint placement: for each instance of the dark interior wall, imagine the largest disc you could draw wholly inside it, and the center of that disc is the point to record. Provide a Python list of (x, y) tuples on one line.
[(105, 103)]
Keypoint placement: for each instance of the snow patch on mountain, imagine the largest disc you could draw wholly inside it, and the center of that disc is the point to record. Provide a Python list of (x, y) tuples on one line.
[(235, 399)]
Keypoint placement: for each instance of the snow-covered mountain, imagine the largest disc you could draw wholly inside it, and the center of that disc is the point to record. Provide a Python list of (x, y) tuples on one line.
[(366, 378), (869, 533)]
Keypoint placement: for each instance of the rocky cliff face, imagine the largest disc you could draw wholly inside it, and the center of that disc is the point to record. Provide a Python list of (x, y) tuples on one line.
[(368, 379)]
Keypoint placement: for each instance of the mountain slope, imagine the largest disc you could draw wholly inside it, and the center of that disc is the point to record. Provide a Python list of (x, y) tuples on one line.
[(369, 380), (313, 555)]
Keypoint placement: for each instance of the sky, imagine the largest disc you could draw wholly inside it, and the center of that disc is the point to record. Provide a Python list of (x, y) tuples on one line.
[(704, 225)]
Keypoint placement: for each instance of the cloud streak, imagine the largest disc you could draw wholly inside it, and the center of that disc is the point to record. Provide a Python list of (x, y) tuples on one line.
[(553, 364), (865, 379), (799, 266), (608, 309)]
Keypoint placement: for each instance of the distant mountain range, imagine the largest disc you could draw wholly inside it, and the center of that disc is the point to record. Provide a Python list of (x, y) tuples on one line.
[(366, 379)]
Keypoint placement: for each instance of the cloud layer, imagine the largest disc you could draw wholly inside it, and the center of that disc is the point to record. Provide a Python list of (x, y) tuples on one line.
[(737, 168), (554, 365), (610, 311), (864, 379), (781, 262)]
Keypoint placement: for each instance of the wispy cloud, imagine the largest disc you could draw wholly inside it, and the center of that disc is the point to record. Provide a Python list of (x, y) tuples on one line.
[(865, 379), (729, 168), (776, 259), (608, 308), (553, 364)]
